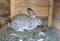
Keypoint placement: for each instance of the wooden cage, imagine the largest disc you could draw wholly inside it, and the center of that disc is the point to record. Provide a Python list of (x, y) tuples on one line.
[(41, 8)]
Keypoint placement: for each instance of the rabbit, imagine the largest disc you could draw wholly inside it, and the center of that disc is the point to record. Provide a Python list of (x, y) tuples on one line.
[(21, 22)]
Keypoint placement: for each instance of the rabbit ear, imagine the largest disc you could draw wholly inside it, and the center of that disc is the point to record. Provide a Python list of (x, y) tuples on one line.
[(31, 13)]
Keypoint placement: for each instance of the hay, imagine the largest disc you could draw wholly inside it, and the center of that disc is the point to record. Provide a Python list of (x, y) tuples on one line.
[(41, 32)]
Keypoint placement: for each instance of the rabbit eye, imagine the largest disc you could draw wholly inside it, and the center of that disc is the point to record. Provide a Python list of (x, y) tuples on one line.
[(38, 19)]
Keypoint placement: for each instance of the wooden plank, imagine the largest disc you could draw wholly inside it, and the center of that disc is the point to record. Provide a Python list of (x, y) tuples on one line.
[(21, 3), (56, 11), (38, 2), (12, 8), (3, 12), (50, 13), (57, 4), (5, 2), (31, 2)]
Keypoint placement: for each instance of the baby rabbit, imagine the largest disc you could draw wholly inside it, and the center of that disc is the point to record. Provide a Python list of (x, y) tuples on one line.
[(23, 21)]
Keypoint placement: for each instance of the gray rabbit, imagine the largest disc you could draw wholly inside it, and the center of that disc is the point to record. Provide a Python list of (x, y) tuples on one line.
[(23, 21)]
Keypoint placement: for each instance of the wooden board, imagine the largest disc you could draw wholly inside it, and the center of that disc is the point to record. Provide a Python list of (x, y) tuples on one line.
[(56, 11), (38, 2), (31, 2), (5, 2), (50, 13)]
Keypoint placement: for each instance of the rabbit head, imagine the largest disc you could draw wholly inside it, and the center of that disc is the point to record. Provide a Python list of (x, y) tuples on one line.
[(35, 20)]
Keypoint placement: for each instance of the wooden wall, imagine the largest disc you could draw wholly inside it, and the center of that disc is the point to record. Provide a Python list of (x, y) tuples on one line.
[(4, 11), (57, 15), (56, 19), (40, 7)]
